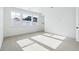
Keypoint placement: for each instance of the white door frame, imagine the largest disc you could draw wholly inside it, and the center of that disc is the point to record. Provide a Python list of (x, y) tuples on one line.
[(77, 22)]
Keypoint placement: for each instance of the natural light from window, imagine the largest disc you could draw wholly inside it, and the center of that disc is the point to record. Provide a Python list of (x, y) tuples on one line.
[(24, 42), (46, 39), (50, 42), (55, 36)]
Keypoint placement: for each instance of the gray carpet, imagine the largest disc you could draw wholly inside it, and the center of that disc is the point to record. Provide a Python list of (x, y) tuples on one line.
[(10, 44)]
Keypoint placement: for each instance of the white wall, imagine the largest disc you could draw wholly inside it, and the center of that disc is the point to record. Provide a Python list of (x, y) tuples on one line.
[(1, 26), (60, 21), (11, 29)]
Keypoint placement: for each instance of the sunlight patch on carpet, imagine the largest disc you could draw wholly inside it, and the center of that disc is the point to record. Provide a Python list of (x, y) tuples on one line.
[(50, 42), (34, 47), (55, 36), (24, 42)]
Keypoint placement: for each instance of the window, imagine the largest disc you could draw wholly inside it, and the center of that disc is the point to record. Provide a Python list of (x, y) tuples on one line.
[(16, 16), (27, 17), (34, 19)]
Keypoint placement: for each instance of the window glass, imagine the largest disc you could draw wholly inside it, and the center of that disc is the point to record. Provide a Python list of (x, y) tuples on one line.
[(16, 16), (26, 17)]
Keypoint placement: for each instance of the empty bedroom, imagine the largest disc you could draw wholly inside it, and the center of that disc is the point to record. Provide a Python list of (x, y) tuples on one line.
[(39, 29)]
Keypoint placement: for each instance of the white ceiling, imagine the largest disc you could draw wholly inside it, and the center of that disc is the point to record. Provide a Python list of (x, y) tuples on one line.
[(34, 9), (41, 10)]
